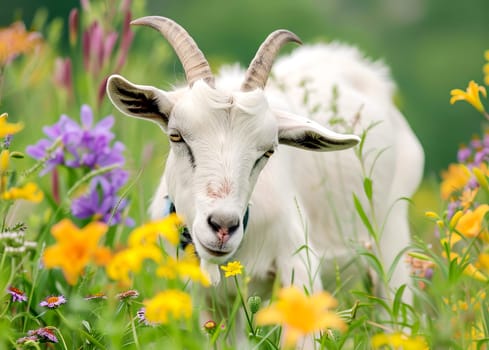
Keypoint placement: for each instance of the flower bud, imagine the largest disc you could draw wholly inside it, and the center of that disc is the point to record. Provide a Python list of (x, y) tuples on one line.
[(254, 303)]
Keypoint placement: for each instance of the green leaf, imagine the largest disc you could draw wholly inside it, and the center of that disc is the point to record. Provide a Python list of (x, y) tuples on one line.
[(364, 217), (367, 187)]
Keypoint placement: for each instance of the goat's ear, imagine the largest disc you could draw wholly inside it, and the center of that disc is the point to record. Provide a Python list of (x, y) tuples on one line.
[(304, 133), (140, 101)]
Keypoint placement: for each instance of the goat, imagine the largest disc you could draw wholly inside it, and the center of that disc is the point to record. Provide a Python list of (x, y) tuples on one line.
[(243, 194)]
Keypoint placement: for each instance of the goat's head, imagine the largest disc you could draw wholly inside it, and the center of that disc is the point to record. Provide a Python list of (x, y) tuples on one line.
[(219, 140)]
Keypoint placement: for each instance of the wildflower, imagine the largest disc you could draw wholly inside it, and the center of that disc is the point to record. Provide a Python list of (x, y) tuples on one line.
[(53, 301), (470, 224), (75, 248), (15, 40), (100, 201), (454, 179), (168, 305), (29, 192), (167, 227), (210, 327), (300, 314), (471, 95), (128, 294), (232, 268), (87, 146), (8, 128), (185, 267), (130, 260), (17, 294), (63, 74), (399, 341), (43, 335), (27, 339)]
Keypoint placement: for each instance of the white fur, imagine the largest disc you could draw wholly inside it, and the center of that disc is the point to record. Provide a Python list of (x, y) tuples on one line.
[(299, 198)]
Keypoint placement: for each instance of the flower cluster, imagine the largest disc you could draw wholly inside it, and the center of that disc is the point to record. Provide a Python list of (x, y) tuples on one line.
[(103, 50), (15, 40), (87, 147), (143, 244), (29, 190)]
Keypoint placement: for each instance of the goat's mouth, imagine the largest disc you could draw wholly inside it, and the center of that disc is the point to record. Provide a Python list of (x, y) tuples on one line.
[(214, 252)]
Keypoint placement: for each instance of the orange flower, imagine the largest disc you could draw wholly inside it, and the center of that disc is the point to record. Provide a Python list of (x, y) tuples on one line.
[(454, 179), (75, 248), (300, 314), (15, 40)]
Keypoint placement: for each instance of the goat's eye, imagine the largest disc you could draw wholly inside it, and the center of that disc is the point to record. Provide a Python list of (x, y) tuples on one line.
[(269, 153), (175, 137)]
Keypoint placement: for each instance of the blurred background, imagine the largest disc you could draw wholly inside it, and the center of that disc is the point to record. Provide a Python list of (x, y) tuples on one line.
[(431, 46)]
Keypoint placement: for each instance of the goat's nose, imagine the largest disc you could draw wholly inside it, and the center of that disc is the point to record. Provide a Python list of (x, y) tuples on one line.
[(223, 224)]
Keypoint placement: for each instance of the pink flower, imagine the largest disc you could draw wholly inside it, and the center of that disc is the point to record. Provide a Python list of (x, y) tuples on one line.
[(53, 301)]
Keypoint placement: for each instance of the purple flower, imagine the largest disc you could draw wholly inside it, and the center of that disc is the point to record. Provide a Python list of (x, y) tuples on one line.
[(43, 335), (102, 201), (17, 294), (88, 146), (53, 301), (464, 154), (84, 145)]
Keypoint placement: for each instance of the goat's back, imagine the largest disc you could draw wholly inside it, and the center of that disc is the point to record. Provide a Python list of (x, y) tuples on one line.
[(339, 88)]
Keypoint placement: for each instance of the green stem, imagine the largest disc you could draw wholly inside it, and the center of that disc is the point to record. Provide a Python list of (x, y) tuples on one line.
[(248, 319), (61, 337), (133, 328)]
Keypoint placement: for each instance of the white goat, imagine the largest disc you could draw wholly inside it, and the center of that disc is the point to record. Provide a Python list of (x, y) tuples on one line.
[(246, 197)]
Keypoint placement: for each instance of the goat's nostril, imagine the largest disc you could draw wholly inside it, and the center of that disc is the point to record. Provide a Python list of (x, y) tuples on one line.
[(223, 222)]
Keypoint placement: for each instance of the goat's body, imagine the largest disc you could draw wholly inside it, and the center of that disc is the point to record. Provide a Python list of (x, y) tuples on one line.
[(307, 197)]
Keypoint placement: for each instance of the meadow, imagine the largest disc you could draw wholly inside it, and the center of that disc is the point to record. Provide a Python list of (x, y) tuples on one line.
[(83, 267)]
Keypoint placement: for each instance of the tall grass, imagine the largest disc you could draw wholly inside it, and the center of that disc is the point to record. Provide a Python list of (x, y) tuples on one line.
[(106, 281)]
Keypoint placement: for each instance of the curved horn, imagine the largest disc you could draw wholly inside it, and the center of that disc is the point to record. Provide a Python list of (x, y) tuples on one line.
[(193, 60), (259, 69)]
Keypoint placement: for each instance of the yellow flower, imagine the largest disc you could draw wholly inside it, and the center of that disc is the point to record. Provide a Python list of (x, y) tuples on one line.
[(483, 262), (232, 268), (8, 128), (186, 267), (168, 305), (470, 224), (300, 315), (130, 260), (454, 179), (75, 248), (4, 160), (167, 227), (29, 192), (471, 95), (15, 40), (398, 341)]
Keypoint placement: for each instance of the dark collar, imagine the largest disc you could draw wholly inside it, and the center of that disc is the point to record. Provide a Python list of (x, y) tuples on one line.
[(185, 238)]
